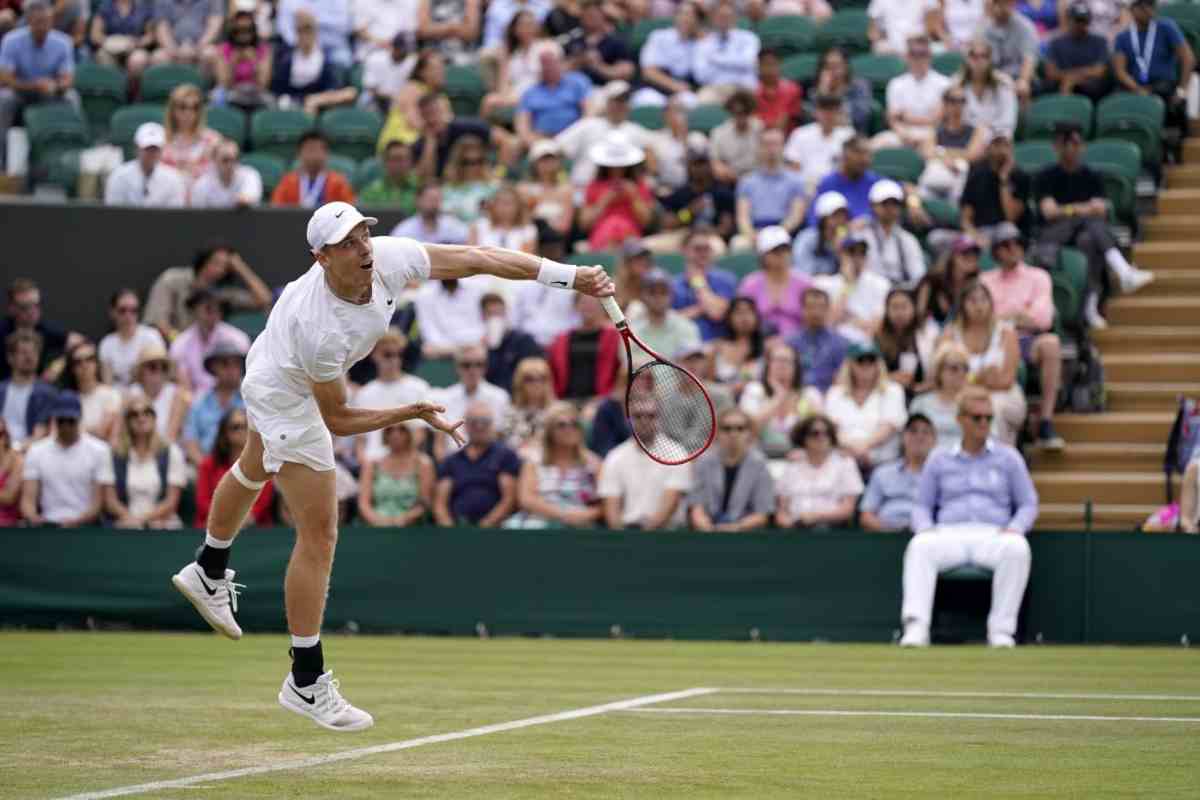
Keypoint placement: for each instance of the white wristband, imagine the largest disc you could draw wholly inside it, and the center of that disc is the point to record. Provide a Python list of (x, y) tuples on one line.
[(560, 276)]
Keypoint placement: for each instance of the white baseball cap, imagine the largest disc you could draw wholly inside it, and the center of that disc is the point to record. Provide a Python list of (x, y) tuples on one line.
[(771, 237), (333, 222), (829, 203), (886, 190), (150, 134)]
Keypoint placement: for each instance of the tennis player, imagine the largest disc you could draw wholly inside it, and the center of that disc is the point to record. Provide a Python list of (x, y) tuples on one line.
[(295, 394)]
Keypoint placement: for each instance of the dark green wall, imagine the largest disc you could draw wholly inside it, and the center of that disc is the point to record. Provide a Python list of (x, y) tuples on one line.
[(841, 586)]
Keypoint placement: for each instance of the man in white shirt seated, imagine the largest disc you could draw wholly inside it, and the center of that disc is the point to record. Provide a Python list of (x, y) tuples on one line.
[(390, 389), (65, 473), (894, 253), (914, 101), (727, 57), (228, 184), (668, 59), (894, 22), (471, 364), (144, 180), (385, 71), (449, 316), (429, 225), (815, 149), (637, 491)]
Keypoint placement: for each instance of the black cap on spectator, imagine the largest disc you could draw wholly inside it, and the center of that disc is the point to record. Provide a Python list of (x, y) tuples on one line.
[(1067, 129), (917, 417), (1080, 10)]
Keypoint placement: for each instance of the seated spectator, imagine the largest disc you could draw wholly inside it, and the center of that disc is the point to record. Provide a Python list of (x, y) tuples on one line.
[(668, 58), (313, 184), (771, 195), (993, 356), (122, 34), (939, 291), (397, 187), (228, 440), (542, 311), (378, 23), (186, 32), (25, 314), (438, 130), (584, 359), (836, 79), (190, 144), (819, 10), (552, 104), (532, 395), (149, 475), (893, 253), (477, 485), (997, 190), (471, 389), (499, 14), (635, 264), (505, 223), (1014, 43), (449, 316), (429, 224), (902, 340), (25, 400), (1024, 299), (726, 57), (701, 201), (1076, 61), (227, 184), (331, 19), (963, 19), (120, 349), (940, 404), (610, 426), (101, 403), (618, 203), (547, 194), (391, 388), (737, 354), (734, 144), (914, 100), (702, 292), (1046, 15), (242, 65), (12, 466), (421, 106), (820, 487), (777, 98), (151, 378), (814, 250), (776, 289), (975, 504), (868, 408), (858, 294), (145, 181), (852, 180), (956, 146), (507, 345), (557, 484), (469, 179), (226, 363), (661, 328), (895, 23), (395, 489), (696, 359), (518, 63), (815, 149), (732, 489), (638, 492), (65, 473), (192, 347), (450, 27), (991, 100), (386, 70), (1162, 64), (888, 502), (600, 53), (673, 144), (305, 72), (778, 400), (216, 268), (37, 66), (819, 346)]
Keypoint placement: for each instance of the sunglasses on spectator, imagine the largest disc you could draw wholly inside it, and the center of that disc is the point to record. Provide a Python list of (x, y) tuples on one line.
[(83, 359), (566, 423), (957, 100), (535, 378), (155, 366), (857, 250), (127, 309), (472, 364), (818, 432), (390, 354), (66, 420), (646, 415), (134, 413), (865, 359), (237, 426), (955, 366), (479, 420), (188, 106), (978, 54), (28, 305), (980, 418), (734, 428), (919, 53)]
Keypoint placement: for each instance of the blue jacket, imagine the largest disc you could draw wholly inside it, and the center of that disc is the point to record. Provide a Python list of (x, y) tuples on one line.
[(41, 400)]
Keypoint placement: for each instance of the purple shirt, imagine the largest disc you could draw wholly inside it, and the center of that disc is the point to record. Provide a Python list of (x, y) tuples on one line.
[(993, 487), (785, 313)]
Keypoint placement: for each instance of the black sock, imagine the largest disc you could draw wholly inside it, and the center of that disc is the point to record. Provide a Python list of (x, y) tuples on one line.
[(213, 561), (308, 664)]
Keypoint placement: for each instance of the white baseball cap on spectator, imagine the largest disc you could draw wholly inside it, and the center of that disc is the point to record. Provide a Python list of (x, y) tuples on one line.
[(333, 222), (772, 237), (830, 203), (150, 134), (885, 190), (542, 148)]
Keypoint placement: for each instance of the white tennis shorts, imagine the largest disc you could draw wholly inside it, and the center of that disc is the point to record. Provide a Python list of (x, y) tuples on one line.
[(290, 425)]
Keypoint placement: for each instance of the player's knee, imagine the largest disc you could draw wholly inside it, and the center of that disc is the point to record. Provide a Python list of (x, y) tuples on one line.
[(318, 539)]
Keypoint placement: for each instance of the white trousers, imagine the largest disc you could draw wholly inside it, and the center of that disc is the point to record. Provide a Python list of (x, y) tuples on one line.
[(949, 546)]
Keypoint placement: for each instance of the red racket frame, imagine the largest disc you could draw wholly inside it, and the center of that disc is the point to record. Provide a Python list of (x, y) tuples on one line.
[(618, 318)]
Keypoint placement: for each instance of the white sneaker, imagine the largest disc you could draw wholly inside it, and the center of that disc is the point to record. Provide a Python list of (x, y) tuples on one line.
[(915, 636), (1001, 640), (1135, 279), (1091, 313), (216, 600), (324, 704)]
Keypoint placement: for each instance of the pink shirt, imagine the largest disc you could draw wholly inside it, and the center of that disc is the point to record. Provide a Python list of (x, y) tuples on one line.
[(1023, 288), (786, 313), (190, 348)]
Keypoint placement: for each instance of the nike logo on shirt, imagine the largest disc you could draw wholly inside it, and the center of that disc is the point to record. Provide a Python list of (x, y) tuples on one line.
[(211, 591), (310, 700)]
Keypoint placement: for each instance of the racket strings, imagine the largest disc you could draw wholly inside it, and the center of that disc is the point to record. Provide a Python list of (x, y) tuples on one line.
[(671, 415)]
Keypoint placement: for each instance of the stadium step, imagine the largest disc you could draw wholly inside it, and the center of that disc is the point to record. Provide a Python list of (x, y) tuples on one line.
[(1105, 516), (1156, 255), (1191, 150), (1099, 457), (1173, 283), (1147, 339), (1144, 367), (1165, 311), (1179, 201), (1142, 427), (1121, 488), (1133, 396), (1173, 227), (1183, 176)]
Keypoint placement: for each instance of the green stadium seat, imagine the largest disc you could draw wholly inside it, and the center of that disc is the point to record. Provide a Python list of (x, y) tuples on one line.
[(1122, 155), (228, 121), (649, 117), (439, 372), (801, 68), (596, 258), (1134, 118), (740, 262), (1070, 279), (102, 89), (877, 121), (949, 62), (356, 75), (1049, 110), (352, 131), (250, 323), (52, 129), (943, 214), (787, 35), (159, 81), (846, 29), (670, 262), (898, 163), (368, 170), (279, 132), (642, 30), (126, 121), (1119, 163), (270, 168), (465, 87), (1032, 157), (969, 572), (704, 118), (64, 171), (878, 70), (1187, 17)]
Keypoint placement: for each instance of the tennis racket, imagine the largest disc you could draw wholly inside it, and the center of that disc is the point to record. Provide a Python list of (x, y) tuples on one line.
[(669, 410)]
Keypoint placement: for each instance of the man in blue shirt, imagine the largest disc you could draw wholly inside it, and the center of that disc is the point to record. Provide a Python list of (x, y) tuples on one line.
[(821, 348), (477, 485), (552, 104), (727, 57), (1077, 61), (702, 293), (888, 502), (1152, 56), (975, 504), (853, 179), (37, 66), (771, 194)]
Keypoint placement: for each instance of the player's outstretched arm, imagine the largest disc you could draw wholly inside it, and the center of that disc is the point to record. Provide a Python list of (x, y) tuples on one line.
[(448, 261), (342, 419)]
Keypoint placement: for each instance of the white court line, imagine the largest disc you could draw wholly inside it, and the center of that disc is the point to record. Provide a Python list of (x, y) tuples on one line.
[(984, 695), (796, 712), (363, 752)]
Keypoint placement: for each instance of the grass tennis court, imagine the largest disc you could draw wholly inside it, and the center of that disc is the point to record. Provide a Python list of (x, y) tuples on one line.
[(88, 712)]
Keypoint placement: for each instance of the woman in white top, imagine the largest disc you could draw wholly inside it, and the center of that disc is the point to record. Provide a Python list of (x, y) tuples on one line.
[(940, 404), (505, 223), (548, 194), (152, 380), (820, 487), (150, 474), (779, 399), (991, 98), (857, 295), (518, 66), (993, 356), (119, 350), (101, 403), (559, 488), (868, 407)]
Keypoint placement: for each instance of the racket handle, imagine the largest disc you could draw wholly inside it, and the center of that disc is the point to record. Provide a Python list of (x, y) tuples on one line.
[(613, 310)]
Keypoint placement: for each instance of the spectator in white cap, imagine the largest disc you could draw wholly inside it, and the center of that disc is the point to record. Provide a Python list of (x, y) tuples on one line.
[(815, 149), (144, 180), (895, 253), (577, 141), (857, 296), (547, 191), (776, 289), (815, 249)]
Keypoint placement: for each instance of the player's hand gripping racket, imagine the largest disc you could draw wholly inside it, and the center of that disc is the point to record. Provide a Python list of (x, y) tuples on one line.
[(671, 414)]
